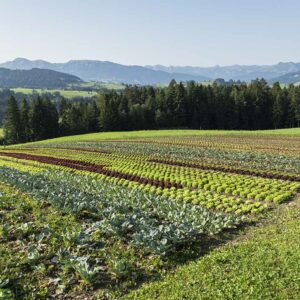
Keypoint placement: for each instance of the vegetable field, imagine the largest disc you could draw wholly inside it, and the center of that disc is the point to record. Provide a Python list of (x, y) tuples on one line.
[(98, 216)]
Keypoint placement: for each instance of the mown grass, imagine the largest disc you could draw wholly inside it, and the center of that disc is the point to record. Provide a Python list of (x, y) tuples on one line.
[(72, 92), (262, 263), (164, 133), (69, 94), (113, 86), (103, 85), (21, 219)]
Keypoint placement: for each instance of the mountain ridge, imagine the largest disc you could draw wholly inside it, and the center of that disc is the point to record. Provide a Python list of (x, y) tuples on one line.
[(106, 71), (94, 70), (289, 78), (236, 72)]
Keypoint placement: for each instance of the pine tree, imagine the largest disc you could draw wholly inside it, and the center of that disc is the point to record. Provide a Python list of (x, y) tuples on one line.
[(63, 105), (149, 109), (51, 119), (296, 106), (179, 106), (24, 118), (92, 115), (191, 113), (169, 103), (12, 122), (109, 118), (38, 119)]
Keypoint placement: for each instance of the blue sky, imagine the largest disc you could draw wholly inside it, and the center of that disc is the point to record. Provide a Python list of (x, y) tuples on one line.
[(169, 32)]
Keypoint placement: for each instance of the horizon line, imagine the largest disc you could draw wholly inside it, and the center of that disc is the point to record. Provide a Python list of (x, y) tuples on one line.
[(151, 65)]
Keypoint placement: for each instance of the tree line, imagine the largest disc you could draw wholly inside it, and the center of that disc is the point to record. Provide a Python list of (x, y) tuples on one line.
[(196, 106), (42, 118)]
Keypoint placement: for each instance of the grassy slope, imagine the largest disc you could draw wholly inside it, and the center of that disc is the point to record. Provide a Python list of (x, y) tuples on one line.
[(163, 133), (65, 93), (113, 86), (106, 85), (72, 93), (262, 263)]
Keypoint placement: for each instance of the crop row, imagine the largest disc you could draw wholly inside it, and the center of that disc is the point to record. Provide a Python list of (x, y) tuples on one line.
[(86, 232), (205, 199), (214, 144), (246, 160), (228, 169), (215, 190), (100, 159), (103, 157), (132, 166), (85, 166), (127, 214)]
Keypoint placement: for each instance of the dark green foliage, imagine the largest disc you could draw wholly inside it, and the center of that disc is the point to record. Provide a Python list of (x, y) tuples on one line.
[(4, 95), (43, 119), (77, 118), (24, 119), (33, 122), (237, 106), (92, 114), (295, 106), (12, 123)]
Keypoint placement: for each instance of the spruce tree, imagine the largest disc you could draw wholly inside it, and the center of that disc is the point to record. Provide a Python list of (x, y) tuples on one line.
[(92, 115), (24, 118), (38, 122), (296, 106), (51, 119), (12, 123), (179, 106)]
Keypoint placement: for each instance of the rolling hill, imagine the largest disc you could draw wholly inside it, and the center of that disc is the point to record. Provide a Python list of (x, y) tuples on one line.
[(35, 78), (288, 78), (105, 71)]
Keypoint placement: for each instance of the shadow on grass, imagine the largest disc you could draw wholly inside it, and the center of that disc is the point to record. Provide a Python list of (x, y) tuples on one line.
[(189, 252), (206, 244)]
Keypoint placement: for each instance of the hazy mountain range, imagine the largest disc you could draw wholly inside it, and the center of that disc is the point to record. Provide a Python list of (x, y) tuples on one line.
[(287, 78), (236, 72), (105, 71), (92, 70)]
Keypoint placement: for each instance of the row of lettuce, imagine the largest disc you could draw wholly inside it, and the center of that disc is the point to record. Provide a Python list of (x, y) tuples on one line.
[(271, 144), (266, 161)]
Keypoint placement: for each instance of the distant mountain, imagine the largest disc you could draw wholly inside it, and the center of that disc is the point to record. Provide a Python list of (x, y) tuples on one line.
[(105, 71), (288, 78), (235, 72), (35, 78), (26, 64)]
